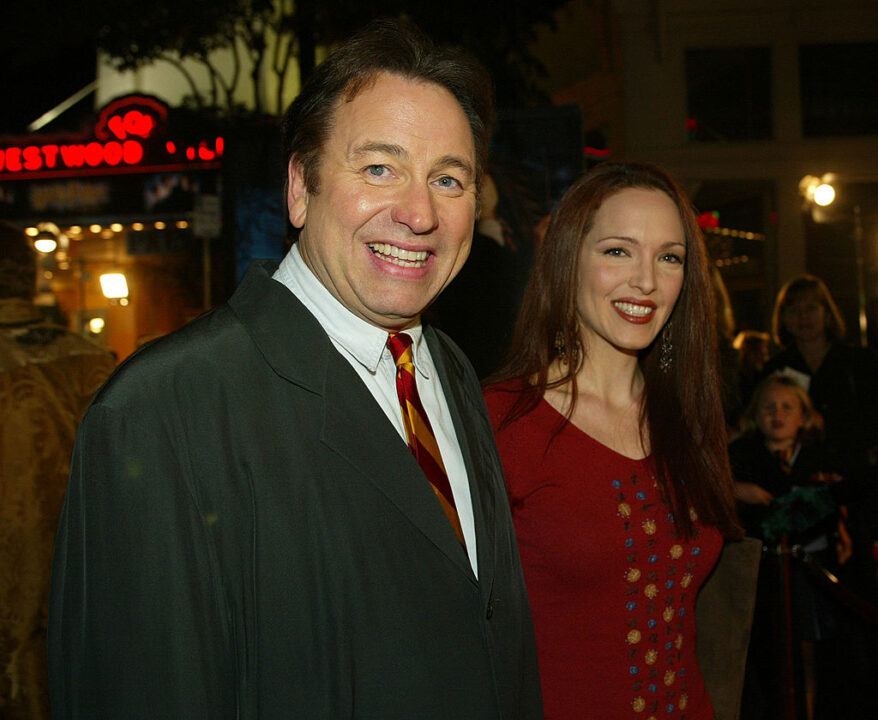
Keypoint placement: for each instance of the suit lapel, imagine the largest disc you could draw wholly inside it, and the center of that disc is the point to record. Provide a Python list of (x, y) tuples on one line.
[(354, 427), (357, 429), (472, 437)]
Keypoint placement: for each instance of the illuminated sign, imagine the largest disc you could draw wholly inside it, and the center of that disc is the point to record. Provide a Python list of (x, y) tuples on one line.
[(127, 139), (70, 157), (131, 116)]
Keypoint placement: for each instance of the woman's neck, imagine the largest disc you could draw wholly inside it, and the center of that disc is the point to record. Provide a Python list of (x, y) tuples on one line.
[(607, 405), (813, 351), (611, 375)]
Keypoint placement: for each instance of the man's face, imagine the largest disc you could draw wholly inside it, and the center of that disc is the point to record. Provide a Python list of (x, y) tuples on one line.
[(392, 221)]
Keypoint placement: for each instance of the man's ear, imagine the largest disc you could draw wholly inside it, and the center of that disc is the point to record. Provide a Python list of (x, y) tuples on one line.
[(297, 193)]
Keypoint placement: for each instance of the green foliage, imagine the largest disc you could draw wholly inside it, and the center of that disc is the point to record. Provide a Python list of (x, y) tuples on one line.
[(273, 34), (798, 511)]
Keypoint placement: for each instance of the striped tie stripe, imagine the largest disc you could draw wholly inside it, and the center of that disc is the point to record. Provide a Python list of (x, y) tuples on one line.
[(417, 427), (418, 431)]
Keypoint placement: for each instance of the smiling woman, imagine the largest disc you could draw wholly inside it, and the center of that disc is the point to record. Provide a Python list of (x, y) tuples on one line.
[(630, 271), (612, 438)]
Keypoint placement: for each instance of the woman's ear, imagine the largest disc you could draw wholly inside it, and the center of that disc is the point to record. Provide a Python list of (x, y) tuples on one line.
[(297, 193)]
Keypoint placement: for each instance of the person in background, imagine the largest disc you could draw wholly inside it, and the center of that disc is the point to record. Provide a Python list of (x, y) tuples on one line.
[(294, 506), (480, 306), (728, 358), (47, 378), (842, 382), (609, 420), (753, 349), (787, 486)]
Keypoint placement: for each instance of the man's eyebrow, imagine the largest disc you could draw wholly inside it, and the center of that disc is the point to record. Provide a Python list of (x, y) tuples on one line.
[(453, 161), (379, 147), (446, 161)]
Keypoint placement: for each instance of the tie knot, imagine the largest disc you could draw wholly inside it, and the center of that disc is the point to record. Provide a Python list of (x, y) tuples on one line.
[(400, 346)]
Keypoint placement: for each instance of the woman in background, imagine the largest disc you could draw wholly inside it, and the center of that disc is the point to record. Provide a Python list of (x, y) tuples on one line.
[(841, 380), (610, 425)]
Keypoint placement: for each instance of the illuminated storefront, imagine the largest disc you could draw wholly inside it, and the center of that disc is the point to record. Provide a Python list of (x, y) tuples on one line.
[(128, 201)]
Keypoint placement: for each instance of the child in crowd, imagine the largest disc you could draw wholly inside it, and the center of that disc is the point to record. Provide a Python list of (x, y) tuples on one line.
[(785, 486), (753, 348)]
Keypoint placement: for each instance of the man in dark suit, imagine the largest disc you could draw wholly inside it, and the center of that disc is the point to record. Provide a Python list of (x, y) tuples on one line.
[(247, 533)]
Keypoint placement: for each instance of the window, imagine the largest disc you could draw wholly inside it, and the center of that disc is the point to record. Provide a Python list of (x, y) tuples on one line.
[(729, 94), (839, 85)]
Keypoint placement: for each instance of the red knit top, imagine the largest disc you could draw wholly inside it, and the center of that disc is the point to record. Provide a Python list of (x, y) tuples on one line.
[(612, 587)]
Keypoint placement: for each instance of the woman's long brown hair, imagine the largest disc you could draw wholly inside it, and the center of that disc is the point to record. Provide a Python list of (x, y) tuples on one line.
[(681, 414)]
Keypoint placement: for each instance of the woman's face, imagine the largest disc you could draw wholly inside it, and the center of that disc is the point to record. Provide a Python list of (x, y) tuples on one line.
[(779, 416), (806, 317), (631, 268)]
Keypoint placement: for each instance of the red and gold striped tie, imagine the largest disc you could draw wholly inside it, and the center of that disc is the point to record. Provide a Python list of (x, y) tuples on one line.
[(418, 431)]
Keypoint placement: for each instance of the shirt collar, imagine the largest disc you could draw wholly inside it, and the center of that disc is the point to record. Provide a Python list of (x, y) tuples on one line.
[(362, 340)]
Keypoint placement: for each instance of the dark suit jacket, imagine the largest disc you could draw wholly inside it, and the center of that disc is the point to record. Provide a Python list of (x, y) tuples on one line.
[(246, 536)]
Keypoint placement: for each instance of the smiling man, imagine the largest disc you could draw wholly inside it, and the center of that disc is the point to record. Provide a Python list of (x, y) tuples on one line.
[(294, 506), (392, 221)]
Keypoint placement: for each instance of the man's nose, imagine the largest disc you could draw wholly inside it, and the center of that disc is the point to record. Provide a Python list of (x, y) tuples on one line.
[(415, 207)]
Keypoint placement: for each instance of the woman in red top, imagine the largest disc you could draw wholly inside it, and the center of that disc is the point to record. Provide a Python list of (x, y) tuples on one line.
[(611, 431)]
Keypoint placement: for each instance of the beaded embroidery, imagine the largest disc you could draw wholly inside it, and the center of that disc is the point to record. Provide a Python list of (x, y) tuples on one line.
[(656, 596)]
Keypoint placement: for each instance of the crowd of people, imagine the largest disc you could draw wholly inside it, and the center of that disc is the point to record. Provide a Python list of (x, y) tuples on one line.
[(804, 464), (305, 503)]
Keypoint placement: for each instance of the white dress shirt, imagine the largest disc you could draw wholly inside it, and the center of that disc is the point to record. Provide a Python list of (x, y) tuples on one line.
[(364, 346)]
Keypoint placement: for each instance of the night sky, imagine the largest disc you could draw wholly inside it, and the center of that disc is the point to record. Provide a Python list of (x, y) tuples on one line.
[(43, 61)]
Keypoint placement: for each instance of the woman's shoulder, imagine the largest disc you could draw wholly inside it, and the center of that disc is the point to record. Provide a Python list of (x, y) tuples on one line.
[(852, 357), (519, 416), (500, 397)]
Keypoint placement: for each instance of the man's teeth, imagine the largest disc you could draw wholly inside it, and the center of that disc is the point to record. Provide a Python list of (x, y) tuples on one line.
[(635, 310), (399, 256)]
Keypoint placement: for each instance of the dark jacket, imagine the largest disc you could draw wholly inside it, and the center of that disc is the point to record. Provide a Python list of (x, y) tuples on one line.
[(246, 536), (808, 516)]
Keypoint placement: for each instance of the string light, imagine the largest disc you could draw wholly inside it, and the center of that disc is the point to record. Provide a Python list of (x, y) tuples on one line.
[(77, 231), (742, 234)]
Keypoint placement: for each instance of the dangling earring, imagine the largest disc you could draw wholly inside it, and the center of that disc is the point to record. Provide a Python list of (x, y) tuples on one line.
[(666, 359), (564, 353), (560, 345)]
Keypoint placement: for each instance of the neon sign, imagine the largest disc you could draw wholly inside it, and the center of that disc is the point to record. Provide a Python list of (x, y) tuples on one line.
[(127, 139), (49, 157), (134, 115)]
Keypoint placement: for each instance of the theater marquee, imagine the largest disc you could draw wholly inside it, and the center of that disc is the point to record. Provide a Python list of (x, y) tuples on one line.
[(130, 136)]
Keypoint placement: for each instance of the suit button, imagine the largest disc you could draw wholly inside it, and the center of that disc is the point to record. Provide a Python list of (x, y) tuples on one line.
[(490, 612)]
